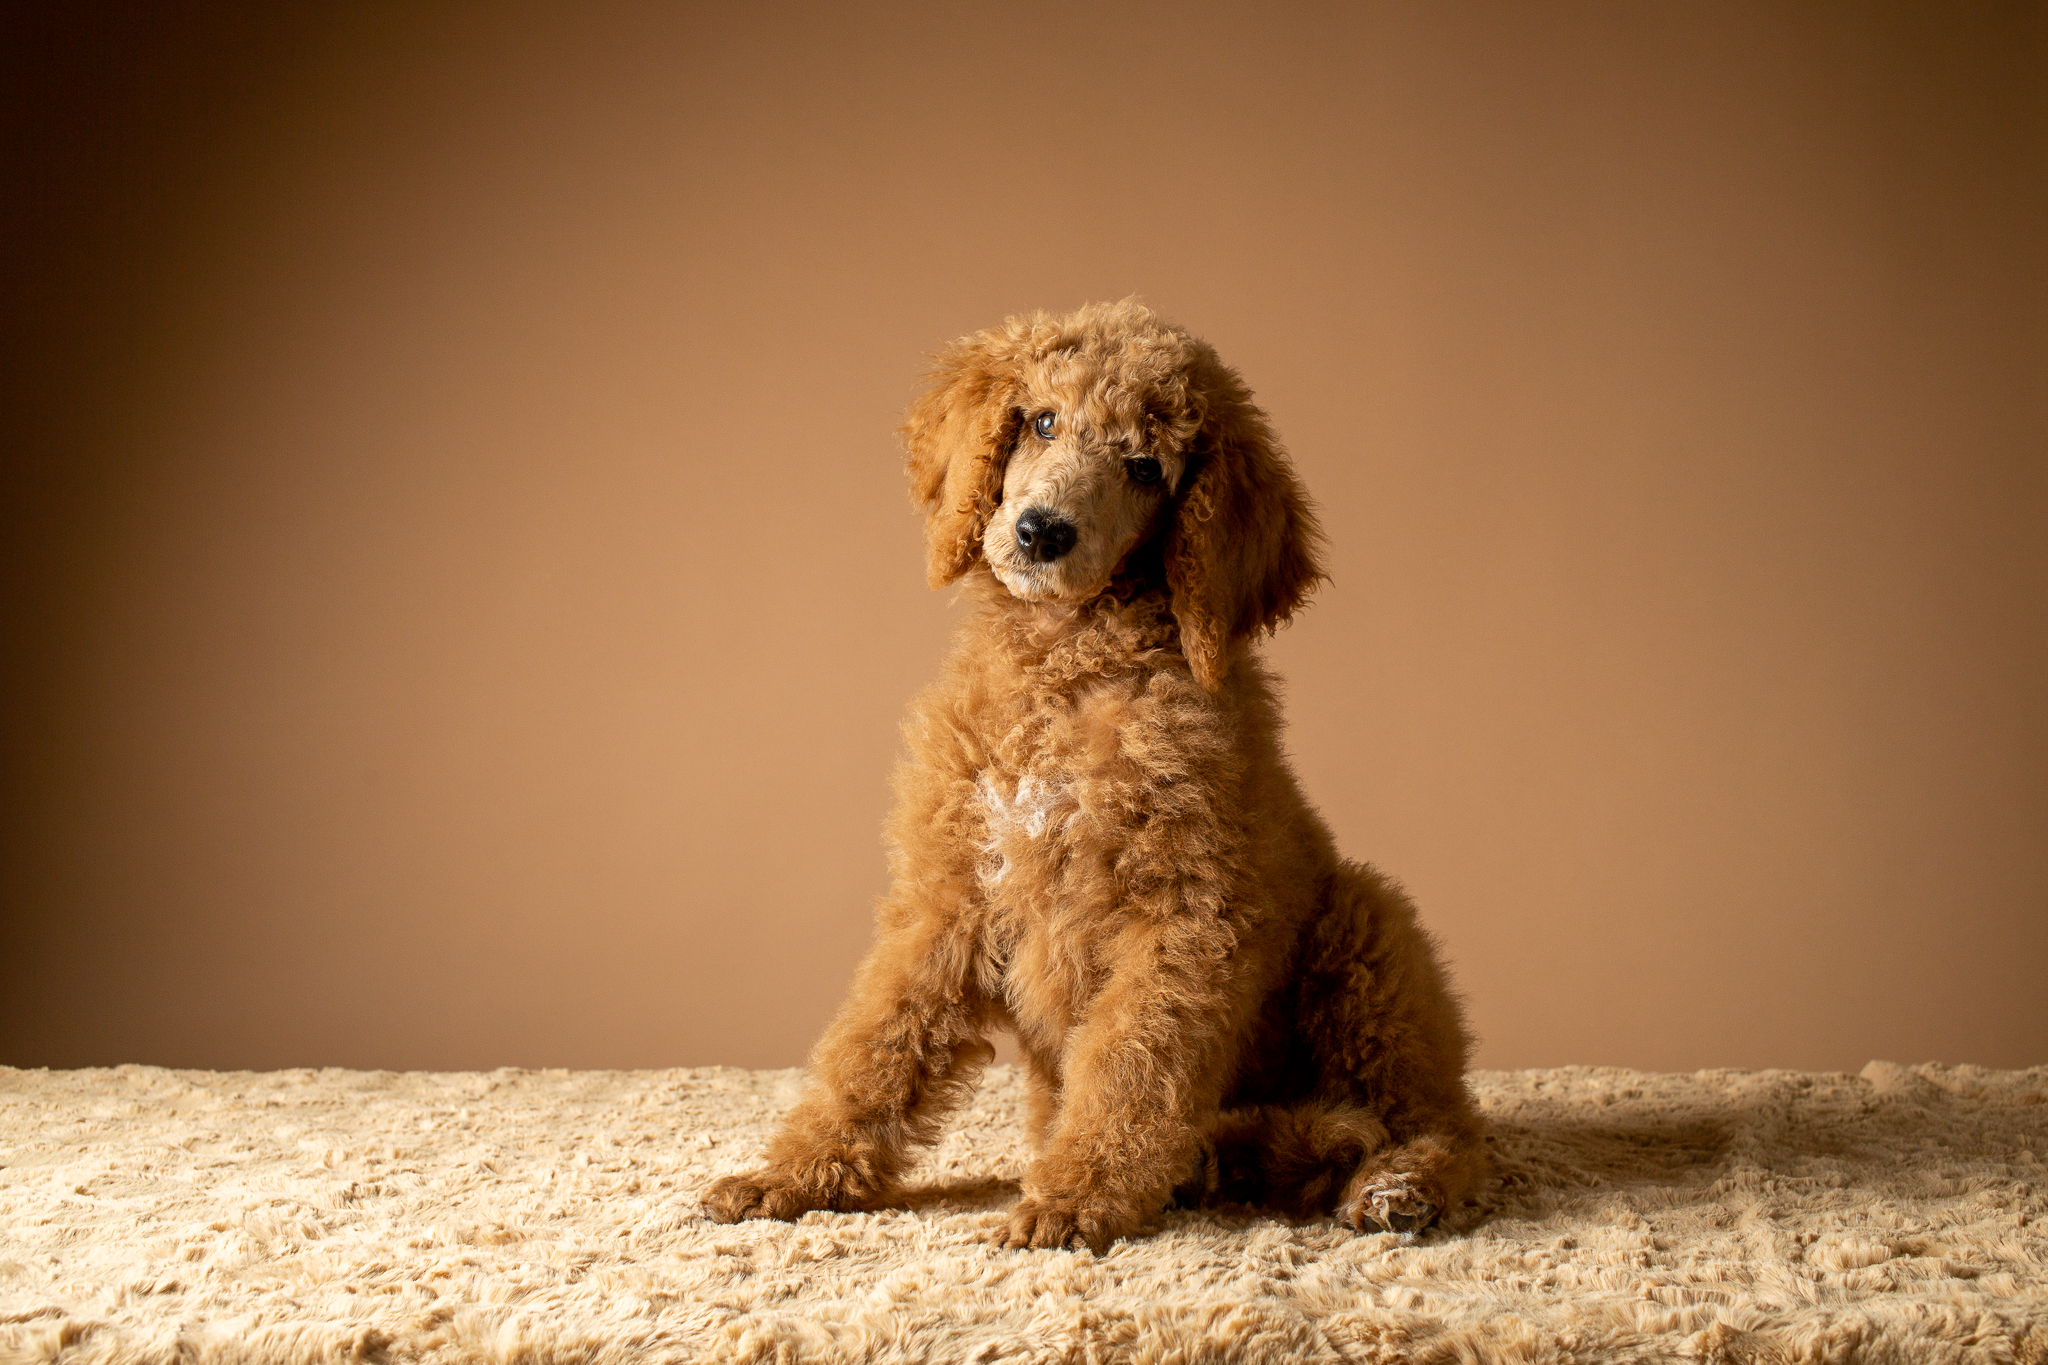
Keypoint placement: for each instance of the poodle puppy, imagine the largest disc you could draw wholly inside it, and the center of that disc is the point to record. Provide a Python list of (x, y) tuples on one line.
[(1098, 844)]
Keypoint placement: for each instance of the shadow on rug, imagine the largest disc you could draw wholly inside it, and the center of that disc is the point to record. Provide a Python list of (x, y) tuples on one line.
[(537, 1216)]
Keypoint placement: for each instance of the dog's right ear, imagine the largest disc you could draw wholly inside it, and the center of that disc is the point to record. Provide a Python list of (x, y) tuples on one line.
[(957, 436)]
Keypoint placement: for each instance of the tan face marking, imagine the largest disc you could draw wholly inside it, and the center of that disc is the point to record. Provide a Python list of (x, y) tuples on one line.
[(1078, 497)]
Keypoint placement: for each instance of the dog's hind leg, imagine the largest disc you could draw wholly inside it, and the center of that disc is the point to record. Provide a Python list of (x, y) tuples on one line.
[(1291, 1157), (1323, 1157), (1408, 1186), (1388, 1034)]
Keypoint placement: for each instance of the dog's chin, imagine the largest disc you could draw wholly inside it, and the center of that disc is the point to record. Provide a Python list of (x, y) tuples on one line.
[(1043, 583)]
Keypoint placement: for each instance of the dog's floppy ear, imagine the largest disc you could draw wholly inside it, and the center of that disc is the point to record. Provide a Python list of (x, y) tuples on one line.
[(957, 436), (1241, 555)]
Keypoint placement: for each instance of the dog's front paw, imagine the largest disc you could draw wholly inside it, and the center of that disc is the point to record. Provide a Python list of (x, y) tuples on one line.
[(766, 1193), (1389, 1203), (1063, 1221)]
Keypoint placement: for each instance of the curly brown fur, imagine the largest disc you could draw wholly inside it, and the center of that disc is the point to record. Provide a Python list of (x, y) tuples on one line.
[(1098, 843)]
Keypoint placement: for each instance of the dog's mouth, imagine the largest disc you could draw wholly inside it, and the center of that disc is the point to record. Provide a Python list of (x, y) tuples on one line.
[(1033, 582)]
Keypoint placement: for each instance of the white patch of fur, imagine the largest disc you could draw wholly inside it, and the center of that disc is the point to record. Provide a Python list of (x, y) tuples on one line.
[(1028, 812)]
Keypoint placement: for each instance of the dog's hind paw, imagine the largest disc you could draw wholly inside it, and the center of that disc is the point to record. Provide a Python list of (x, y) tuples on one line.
[(1389, 1203)]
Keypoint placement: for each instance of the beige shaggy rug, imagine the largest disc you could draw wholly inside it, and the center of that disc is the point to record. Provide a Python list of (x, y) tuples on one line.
[(537, 1216)]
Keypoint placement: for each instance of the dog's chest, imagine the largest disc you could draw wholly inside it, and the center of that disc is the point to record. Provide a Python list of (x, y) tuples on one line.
[(1052, 816), (1044, 800), (1027, 821), (1043, 911)]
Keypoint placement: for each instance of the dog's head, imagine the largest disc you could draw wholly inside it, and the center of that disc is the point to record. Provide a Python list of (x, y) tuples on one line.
[(1067, 452)]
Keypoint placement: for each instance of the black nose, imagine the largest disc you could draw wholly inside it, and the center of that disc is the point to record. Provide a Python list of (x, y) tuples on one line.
[(1043, 536)]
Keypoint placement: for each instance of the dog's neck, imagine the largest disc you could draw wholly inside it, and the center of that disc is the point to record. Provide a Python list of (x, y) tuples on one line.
[(1125, 628)]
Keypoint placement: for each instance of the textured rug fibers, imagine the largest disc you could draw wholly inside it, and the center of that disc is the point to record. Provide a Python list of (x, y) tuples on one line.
[(523, 1216)]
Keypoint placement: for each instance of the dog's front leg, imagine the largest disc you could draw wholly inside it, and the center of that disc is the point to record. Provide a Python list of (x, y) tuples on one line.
[(1142, 1076), (902, 1051)]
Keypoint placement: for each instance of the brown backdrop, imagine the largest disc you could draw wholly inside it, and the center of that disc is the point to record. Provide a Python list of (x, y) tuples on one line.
[(459, 591)]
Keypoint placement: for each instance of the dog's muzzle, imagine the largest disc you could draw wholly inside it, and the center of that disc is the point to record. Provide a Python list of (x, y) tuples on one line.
[(1044, 536)]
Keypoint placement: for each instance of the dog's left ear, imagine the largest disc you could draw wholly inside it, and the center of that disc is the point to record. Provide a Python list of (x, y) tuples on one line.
[(1241, 556), (957, 436)]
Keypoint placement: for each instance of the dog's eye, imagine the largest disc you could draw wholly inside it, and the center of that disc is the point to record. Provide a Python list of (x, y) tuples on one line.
[(1043, 426), (1142, 469)]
